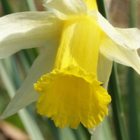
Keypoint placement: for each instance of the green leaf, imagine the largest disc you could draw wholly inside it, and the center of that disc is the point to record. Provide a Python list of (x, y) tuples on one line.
[(31, 5), (106, 134), (29, 123), (118, 114), (133, 102)]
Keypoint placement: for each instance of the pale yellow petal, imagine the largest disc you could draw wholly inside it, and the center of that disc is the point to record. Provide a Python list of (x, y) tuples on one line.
[(131, 37), (128, 38), (26, 30), (66, 9), (104, 69), (117, 46), (27, 94), (108, 28), (120, 54), (95, 132)]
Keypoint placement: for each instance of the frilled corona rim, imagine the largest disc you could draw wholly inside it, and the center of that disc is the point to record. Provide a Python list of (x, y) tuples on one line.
[(71, 71), (70, 96)]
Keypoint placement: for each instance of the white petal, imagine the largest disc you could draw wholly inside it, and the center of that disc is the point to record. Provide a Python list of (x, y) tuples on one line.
[(102, 132), (106, 133), (66, 9), (117, 45), (26, 30), (27, 94), (120, 54), (128, 38), (131, 37), (95, 132), (104, 69), (114, 33), (108, 28)]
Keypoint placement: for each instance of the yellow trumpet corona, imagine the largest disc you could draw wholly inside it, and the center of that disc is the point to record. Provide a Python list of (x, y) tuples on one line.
[(71, 93)]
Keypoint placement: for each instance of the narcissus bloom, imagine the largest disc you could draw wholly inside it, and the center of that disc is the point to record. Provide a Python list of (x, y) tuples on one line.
[(71, 75)]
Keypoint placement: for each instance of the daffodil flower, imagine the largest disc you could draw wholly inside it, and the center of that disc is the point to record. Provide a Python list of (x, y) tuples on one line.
[(70, 76)]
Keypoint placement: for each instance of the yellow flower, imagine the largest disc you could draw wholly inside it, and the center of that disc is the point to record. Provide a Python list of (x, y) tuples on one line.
[(75, 65), (71, 93)]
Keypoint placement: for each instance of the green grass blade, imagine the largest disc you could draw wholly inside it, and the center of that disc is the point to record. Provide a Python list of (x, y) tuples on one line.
[(66, 134), (133, 9), (31, 5), (6, 7), (102, 8), (118, 114), (28, 122), (81, 133), (134, 125), (23, 60), (106, 134)]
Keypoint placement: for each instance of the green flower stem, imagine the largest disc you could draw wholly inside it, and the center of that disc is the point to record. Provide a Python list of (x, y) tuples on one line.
[(132, 21), (102, 8), (133, 106), (114, 90), (134, 126), (118, 114), (6, 7)]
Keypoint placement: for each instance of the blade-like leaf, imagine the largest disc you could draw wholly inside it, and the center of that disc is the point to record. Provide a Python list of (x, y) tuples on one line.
[(133, 102), (29, 123)]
